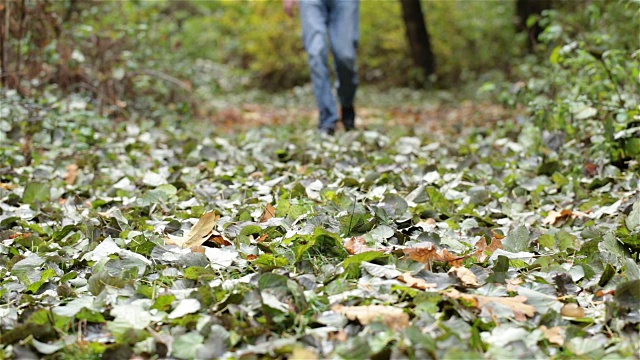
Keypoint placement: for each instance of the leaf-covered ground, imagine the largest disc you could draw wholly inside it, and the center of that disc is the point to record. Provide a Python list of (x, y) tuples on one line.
[(152, 240)]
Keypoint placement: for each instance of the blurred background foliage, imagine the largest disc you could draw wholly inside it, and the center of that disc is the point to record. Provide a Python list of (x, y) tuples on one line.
[(177, 52)]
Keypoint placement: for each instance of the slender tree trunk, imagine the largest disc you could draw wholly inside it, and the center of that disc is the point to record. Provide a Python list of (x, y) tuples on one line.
[(524, 10), (4, 38), (417, 35)]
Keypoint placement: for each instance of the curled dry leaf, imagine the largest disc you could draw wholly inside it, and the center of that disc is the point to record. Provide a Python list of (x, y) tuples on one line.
[(198, 234), (554, 216), (415, 283), (269, 212), (219, 240), (72, 174), (428, 252), (466, 276), (198, 249), (555, 335), (572, 310), (393, 317), (484, 250), (516, 303), (357, 245)]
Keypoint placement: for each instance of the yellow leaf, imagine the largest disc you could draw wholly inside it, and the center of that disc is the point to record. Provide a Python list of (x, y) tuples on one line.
[(393, 317), (303, 353), (572, 310)]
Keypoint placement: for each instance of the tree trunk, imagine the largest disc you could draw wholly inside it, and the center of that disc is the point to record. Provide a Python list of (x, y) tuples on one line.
[(418, 36), (524, 10)]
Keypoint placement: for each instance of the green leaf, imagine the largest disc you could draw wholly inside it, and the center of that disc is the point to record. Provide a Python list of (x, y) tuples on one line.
[(628, 295), (517, 240), (633, 219), (36, 192)]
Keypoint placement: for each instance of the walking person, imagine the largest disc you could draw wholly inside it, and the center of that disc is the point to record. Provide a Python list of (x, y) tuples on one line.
[(335, 25)]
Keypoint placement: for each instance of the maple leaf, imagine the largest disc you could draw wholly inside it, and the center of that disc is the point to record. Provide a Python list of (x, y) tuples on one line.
[(416, 283), (484, 250), (393, 317), (516, 303)]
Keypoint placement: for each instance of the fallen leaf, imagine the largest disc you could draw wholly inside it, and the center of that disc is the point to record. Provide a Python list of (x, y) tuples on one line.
[(262, 237), (572, 310), (484, 250), (516, 303), (269, 212), (393, 317), (466, 276), (555, 335), (198, 249), (357, 245), (219, 240), (7, 186), (428, 252), (601, 293), (198, 234), (554, 217), (252, 257), (415, 283)]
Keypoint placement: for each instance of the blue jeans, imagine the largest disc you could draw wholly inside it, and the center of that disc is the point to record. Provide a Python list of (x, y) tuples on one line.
[(334, 24)]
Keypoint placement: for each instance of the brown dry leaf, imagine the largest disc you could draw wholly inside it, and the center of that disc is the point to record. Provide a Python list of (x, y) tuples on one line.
[(269, 212), (393, 317), (415, 283), (220, 240), (555, 335), (428, 252), (197, 249), (262, 237), (554, 216), (339, 336), (466, 276), (357, 245), (516, 303), (252, 257), (572, 310), (485, 250), (72, 174), (198, 233)]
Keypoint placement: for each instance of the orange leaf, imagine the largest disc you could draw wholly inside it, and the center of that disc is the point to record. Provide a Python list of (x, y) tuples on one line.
[(220, 240), (554, 217), (252, 257), (415, 283), (428, 252), (393, 317), (357, 245), (269, 212), (484, 250)]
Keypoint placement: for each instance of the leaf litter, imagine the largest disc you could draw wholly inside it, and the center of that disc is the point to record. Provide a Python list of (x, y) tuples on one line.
[(276, 243)]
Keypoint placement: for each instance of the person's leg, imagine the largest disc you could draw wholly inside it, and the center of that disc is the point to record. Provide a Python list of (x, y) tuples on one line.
[(315, 16), (344, 33)]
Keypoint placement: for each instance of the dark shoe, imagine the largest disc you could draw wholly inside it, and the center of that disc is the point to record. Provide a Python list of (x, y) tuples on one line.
[(349, 118), (327, 131)]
